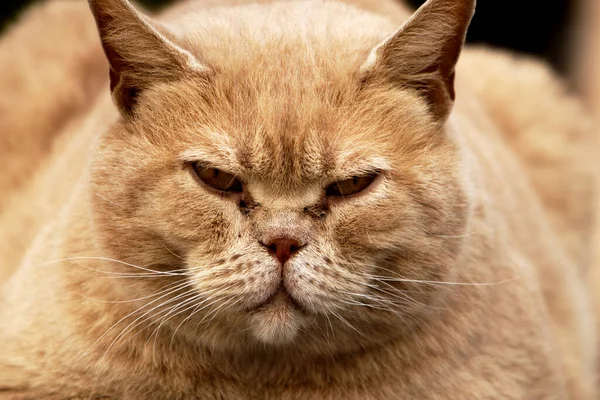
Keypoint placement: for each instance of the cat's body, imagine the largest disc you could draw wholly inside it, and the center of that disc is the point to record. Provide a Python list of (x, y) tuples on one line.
[(494, 217), (585, 65)]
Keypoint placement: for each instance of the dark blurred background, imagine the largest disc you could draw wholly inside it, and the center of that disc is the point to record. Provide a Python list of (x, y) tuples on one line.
[(539, 27)]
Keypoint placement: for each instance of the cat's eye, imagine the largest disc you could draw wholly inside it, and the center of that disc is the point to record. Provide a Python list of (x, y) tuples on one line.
[(217, 179), (351, 186)]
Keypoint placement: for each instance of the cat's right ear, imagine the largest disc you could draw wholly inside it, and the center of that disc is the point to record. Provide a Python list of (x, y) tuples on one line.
[(138, 54), (422, 54)]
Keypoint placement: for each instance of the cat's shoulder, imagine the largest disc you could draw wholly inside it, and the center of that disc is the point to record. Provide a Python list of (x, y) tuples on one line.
[(546, 126)]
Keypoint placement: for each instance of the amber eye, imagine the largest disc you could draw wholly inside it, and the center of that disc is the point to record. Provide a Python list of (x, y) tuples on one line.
[(350, 186), (217, 179)]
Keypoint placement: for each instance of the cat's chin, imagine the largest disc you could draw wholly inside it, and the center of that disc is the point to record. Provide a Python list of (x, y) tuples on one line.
[(277, 321)]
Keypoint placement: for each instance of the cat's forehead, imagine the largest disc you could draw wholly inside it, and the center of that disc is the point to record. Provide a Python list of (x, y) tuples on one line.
[(288, 147), (293, 133), (282, 38), (284, 101)]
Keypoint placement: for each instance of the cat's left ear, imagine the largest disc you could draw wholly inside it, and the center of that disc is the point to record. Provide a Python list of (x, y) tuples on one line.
[(139, 52), (422, 54)]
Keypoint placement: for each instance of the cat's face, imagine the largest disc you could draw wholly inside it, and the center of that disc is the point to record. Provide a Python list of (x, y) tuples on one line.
[(295, 208)]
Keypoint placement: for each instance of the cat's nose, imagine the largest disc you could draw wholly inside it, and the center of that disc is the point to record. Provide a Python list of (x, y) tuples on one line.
[(282, 248)]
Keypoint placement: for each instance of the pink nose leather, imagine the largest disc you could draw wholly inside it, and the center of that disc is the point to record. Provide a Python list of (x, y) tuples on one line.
[(283, 248)]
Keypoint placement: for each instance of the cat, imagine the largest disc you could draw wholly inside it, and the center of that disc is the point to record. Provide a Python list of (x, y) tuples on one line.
[(301, 200), (584, 71)]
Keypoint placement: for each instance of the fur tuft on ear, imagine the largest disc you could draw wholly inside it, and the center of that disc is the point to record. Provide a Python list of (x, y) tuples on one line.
[(138, 54), (422, 54)]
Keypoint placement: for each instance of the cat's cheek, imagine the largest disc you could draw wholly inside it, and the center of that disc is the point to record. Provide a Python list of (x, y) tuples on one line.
[(196, 219), (241, 275), (355, 223)]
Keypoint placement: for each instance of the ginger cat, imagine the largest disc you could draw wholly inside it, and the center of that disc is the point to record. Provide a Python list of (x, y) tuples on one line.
[(585, 69), (296, 200)]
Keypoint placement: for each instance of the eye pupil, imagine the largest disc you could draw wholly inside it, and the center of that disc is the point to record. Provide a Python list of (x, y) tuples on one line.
[(217, 179)]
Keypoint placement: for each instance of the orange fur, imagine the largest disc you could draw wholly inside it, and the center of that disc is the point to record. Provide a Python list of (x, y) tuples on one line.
[(585, 71), (458, 274), (51, 59)]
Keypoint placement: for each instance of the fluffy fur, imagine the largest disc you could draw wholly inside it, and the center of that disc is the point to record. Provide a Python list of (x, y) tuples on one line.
[(586, 64), (460, 273)]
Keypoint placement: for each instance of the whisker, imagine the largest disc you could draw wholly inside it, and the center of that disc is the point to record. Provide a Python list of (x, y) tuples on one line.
[(169, 250), (330, 326), (346, 322), (455, 236), (106, 199), (193, 306), (164, 289), (428, 282), (127, 329), (186, 306), (135, 323), (168, 292), (207, 315), (386, 303), (403, 296), (104, 259), (213, 313)]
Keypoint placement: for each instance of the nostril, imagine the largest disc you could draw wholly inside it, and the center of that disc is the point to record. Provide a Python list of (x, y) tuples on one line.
[(271, 247), (283, 248)]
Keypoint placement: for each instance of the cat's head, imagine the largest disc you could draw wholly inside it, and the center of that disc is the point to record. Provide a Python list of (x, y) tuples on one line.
[(284, 168)]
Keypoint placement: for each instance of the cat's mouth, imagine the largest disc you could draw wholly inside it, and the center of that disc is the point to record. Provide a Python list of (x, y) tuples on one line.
[(278, 319), (281, 297)]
